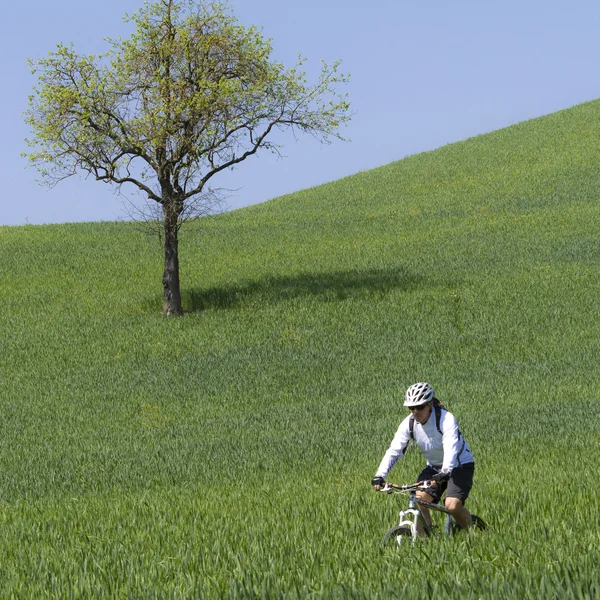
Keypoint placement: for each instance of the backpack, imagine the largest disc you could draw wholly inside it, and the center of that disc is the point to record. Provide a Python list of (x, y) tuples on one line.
[(437, 407)]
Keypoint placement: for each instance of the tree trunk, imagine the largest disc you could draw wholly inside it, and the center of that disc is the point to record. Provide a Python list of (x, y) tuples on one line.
[(171, 288)]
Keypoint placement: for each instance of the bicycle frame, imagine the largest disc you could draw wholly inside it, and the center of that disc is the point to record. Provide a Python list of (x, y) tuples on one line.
[(410, 518)]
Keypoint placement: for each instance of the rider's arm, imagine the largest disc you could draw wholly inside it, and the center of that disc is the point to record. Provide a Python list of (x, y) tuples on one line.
[(396, 450), (451, 440)]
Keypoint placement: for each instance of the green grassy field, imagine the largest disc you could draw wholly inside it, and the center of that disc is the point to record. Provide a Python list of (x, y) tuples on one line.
[(228, 453)]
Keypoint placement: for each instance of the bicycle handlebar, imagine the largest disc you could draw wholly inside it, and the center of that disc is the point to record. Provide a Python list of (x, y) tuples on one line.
[(388, 488), (419, 485)]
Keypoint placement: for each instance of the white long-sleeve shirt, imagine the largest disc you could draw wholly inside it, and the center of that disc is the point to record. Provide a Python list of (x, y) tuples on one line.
[(444, 451)]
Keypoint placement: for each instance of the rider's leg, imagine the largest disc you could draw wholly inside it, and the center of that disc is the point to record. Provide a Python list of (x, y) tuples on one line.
[(459, 487), (424, 496), (431, 495), (461, 515)]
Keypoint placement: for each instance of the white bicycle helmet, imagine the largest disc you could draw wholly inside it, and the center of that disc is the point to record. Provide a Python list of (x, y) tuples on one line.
[(417, 394)]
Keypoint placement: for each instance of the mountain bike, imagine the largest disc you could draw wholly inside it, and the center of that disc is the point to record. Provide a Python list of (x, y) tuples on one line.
[(410, 518)]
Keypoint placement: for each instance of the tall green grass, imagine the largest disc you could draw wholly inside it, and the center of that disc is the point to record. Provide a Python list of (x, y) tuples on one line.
[(228, 453)]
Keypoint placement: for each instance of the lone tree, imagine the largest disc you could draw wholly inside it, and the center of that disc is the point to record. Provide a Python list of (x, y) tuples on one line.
[(189, 94)]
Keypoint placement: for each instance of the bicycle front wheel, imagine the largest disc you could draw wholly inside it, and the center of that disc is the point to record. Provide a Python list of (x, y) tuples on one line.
[(396, 534)]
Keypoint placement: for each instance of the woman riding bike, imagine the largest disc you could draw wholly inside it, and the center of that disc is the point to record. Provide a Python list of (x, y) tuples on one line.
[(450, 464)]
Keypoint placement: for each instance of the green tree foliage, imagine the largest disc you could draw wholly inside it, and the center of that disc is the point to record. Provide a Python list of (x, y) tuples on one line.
[(189, 94)]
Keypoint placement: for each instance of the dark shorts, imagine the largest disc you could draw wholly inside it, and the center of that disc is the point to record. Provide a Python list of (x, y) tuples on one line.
[(458, 486)]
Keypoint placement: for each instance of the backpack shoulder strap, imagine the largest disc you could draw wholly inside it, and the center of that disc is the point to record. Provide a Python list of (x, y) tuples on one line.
[(411, 427), (438, 415)]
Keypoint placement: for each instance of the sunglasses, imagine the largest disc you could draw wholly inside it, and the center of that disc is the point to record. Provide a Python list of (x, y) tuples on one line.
[(418, 408)]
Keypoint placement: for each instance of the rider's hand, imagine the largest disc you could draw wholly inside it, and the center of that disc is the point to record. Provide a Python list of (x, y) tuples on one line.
[(440, 477), (378, 483)]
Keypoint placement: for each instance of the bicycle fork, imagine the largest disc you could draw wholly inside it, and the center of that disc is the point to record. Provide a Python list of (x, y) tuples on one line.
[(410, 518)]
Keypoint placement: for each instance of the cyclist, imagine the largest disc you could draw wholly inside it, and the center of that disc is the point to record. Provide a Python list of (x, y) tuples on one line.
[(450, 464)]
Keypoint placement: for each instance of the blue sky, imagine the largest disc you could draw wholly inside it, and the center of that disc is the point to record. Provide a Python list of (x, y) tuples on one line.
[(423, 74)]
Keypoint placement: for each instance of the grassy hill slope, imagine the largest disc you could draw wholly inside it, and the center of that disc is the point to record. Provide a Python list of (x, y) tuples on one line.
[(228, 453)]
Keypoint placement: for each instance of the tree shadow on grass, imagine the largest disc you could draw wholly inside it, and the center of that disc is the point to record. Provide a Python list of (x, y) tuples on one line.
[(326, 287)]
